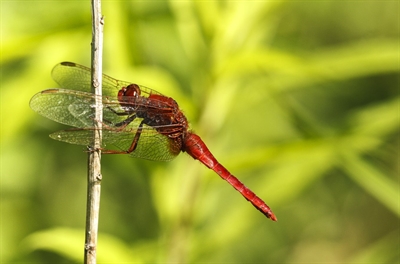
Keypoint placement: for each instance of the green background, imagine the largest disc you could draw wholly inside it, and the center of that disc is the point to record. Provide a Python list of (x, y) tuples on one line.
[(298, 99)]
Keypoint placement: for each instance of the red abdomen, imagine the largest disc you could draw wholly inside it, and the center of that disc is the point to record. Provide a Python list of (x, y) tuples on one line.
[(196, 148)]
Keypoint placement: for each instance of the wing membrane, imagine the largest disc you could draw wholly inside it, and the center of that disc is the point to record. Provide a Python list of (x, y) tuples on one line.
[(75, 104), (74, 108), (70, 75), (151, 145)]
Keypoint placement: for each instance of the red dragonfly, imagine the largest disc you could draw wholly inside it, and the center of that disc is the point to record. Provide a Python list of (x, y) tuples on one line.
[(137, 120)]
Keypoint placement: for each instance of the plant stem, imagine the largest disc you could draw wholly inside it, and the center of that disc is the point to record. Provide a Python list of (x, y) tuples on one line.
[(94, 155)]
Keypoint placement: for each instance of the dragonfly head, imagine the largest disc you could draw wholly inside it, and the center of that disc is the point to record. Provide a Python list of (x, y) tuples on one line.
[(128, 95), (132, 90)]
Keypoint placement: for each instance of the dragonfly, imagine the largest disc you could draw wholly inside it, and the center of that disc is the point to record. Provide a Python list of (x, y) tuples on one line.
[(137, 121)]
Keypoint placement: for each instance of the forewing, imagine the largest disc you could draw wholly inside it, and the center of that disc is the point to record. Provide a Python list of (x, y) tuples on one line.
[(70, 75), (74, 108)]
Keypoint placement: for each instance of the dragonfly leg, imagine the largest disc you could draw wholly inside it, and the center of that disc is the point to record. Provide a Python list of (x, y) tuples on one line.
[(132, 146), (116, 112), (136, 139), (126, 122), (120, 125)]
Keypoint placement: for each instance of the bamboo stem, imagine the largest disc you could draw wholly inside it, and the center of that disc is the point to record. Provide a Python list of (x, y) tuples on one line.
[(94, 155)]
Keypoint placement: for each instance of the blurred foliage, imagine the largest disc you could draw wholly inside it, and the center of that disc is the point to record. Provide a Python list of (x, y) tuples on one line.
[(300, 100)]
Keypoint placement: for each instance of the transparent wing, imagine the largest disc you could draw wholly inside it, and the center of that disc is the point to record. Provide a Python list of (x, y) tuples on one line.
[(151, 145), (70, 75), (74, 108)]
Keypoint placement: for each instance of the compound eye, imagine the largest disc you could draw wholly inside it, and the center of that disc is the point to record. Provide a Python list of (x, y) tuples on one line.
[(132, 90)]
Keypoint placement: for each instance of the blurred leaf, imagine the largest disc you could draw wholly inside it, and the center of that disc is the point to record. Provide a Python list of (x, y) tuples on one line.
[(69, 243), (373, 180), (377, 120), (63, 241), (295, 72)]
